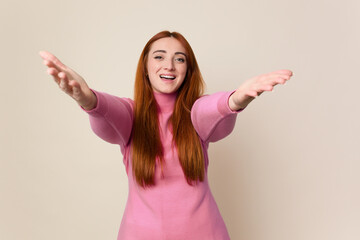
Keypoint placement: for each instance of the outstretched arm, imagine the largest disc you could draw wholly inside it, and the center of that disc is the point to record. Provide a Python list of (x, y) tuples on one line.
[(110, 116), (214, 115), (255, 86)]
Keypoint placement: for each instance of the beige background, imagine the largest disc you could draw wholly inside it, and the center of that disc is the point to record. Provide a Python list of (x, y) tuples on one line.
[(289, 170)]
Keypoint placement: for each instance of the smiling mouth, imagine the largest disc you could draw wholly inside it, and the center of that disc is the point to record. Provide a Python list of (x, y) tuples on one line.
[(167, 77)]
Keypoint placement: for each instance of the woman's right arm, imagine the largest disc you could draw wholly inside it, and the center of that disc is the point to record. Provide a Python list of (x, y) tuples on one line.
[(110, 116)]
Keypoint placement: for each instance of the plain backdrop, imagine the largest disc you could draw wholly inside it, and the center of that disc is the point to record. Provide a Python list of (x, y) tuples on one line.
[(289, 170)]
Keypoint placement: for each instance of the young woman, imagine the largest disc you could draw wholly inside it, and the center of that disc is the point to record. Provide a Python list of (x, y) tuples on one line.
[(164, 134)]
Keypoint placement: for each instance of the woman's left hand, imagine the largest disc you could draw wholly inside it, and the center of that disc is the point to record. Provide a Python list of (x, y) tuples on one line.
[(255, 86)]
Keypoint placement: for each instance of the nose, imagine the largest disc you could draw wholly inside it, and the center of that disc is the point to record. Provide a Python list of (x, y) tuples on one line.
[(169, 65)]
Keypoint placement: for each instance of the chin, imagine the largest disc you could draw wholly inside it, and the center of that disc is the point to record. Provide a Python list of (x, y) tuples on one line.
[(166, 90)]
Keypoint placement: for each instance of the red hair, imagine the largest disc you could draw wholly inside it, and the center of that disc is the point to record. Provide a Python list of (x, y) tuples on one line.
[(147, 147)]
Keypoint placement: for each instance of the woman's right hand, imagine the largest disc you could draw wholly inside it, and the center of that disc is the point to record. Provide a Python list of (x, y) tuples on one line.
[(69, 81)]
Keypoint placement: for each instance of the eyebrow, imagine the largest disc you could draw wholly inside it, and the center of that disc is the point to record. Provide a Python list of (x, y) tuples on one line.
[(163, 51)]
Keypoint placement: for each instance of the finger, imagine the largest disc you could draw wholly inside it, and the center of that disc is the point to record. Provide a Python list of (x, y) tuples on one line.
[(284, 71), (282, 79), (264, 87), (64, 82), (286, 75), (275, 75), (46, 63), (75, 88), (274, 80), (269, 86), (50, 57), (68, 71), (74, 83), (279, 80), (54, 73), (51, 64)]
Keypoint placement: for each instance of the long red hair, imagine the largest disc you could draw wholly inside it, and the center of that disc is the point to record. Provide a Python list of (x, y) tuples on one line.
[(147, 147)]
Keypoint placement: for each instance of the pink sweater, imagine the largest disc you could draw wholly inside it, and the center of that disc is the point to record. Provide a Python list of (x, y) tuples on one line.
[(172, 209)]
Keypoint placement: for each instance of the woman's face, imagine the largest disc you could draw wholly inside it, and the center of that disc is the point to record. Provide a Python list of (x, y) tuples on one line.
[(166, 65)]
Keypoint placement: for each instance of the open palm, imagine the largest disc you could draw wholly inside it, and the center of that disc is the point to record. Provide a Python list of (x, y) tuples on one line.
[(69, 81)]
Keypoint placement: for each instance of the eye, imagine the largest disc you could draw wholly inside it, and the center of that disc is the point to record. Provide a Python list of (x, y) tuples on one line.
[(182, 60), (158, 57)]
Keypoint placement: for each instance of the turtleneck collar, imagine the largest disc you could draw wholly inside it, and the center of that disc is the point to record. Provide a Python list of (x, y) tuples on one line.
[(165, 101)]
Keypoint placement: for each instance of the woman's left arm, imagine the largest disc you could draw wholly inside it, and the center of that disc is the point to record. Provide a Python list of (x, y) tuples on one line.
[(255, 86), (213, 116)]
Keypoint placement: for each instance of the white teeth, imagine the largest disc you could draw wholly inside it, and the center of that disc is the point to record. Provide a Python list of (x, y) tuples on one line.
[(167, 77)]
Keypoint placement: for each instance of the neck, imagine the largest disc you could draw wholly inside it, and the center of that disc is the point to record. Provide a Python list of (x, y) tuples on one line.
[(165, 101)]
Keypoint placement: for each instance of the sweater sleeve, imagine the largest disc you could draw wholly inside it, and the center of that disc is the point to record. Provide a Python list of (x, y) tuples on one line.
[(112, 118), (212, 117)]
